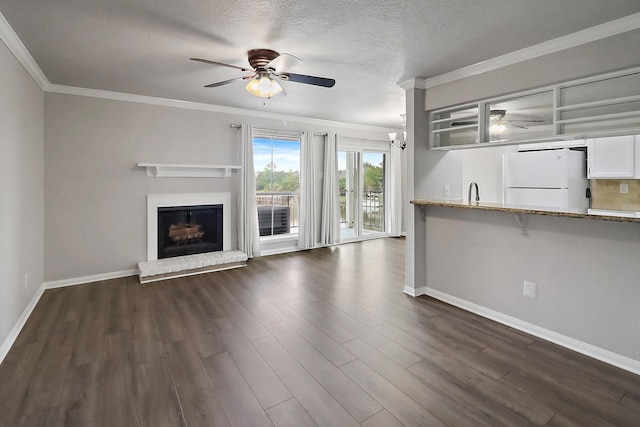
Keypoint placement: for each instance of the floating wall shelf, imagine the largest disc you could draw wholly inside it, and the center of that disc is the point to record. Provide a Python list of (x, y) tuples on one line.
[(160, 170)]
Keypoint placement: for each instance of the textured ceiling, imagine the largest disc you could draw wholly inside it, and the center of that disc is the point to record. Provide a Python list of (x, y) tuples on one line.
[(142, 46)]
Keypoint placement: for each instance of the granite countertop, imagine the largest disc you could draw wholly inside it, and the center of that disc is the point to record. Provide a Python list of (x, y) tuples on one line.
[(604, 215)]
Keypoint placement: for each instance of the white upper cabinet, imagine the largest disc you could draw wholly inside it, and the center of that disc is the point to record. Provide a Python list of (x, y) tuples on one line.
[(612, 157), (594, 107), (522, 117), (454, 127), (599, 105)]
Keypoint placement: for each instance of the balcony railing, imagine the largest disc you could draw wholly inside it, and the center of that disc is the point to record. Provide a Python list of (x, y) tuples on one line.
[(372, 210), (280, 202)]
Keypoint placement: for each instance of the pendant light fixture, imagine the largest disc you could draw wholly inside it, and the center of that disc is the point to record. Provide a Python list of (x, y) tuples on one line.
[(399, 139)]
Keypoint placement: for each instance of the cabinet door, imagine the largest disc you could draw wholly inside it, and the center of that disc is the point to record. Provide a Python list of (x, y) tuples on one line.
[(611, 157)]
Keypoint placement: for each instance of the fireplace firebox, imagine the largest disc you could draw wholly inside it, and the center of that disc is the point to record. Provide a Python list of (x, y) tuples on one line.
[(189, 230)]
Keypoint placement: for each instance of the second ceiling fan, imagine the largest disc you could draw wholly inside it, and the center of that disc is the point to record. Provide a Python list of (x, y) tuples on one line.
[(497, 118), (267, 67)]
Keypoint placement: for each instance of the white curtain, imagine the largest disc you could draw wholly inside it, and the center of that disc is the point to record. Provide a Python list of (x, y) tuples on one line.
[(330, 225), (248, 234), (307, 229), (394, 224)]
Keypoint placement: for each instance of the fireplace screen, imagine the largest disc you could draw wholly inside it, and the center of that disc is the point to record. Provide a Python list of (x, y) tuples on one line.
[(188, 230)]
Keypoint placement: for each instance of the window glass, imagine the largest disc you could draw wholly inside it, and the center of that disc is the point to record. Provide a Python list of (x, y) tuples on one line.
[(277, 168)]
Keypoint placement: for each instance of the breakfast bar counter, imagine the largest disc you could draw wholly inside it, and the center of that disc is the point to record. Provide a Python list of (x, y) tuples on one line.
[(603, 215)]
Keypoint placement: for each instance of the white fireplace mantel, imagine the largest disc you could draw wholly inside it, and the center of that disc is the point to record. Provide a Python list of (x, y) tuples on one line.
[(155, 269), (159, 170)]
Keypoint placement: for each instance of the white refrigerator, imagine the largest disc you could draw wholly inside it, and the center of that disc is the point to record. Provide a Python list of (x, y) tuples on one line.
[(551, 178)]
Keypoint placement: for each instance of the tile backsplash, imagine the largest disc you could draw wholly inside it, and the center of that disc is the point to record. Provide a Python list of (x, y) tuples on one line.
[(605, 194)]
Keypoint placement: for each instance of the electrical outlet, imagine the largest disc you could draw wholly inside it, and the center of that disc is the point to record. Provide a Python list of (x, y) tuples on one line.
[(26, 280), (529, 289), (624, 188), (447, 190)]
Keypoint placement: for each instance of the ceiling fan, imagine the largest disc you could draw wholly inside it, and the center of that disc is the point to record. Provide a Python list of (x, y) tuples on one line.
[(267, 67), (497, 121)]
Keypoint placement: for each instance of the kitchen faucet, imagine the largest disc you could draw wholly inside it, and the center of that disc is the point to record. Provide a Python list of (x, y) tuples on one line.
[(477, 192)]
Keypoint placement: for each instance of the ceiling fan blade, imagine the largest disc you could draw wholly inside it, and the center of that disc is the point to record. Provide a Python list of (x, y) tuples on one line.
[(207, 61), (282, 62), (524, 121), (309, 80), (454, 124), (226, 82), (517, 126)]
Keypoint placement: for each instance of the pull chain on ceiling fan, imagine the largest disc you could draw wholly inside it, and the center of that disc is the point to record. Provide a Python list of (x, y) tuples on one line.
[(267, 67)]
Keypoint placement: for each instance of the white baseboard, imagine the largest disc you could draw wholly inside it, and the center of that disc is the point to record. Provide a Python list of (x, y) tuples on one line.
[(89, 279), (414, 292), (598, 353), (13, 335), (279, 251)]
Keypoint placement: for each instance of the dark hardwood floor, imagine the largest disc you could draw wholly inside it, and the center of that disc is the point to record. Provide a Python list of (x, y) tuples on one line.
[(322, 337)]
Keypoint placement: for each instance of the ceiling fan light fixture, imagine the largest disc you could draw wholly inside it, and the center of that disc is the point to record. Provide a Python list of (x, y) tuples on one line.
[(263, 87), (497, 115), (268, 68), (497, 128)]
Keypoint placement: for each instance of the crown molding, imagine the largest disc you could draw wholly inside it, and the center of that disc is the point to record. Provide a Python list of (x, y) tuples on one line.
[(588, 35), (415, 83), (598, 32), (18, 49), (14, 44), (142, 99)]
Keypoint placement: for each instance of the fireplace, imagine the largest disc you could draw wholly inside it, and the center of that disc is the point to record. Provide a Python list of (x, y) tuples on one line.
[(187, 224), (178, 225), (189, 230)]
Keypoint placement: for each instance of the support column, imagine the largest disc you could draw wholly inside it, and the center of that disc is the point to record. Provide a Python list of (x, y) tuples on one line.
[(417, 136)]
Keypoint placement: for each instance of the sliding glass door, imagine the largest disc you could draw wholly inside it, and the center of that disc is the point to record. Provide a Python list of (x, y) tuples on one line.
[(362, 182)]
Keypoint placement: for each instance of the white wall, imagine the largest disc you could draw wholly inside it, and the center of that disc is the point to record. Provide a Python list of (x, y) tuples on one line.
[(21, 193), (484, 167), (439, 168), (95, 195)]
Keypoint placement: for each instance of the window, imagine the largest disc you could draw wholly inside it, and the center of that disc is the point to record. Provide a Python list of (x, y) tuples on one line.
[(276, 157)]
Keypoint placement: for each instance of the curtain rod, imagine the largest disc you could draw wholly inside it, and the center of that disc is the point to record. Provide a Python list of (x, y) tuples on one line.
[(354, 139), (364, 139), (276, 132), (315, 134), (269, 131)]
